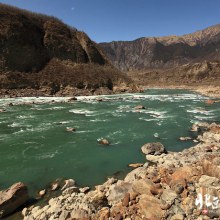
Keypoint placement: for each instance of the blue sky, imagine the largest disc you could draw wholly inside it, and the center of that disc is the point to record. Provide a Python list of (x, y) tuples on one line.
[(109, 20)]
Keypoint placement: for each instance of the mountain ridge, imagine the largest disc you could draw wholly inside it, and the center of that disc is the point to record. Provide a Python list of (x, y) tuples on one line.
[(164, 52)]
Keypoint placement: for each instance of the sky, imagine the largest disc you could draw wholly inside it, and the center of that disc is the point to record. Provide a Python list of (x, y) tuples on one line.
[(112, 20)]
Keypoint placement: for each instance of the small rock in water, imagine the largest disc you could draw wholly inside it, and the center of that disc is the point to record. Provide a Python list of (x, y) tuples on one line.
[(54, 186), (136, 165), (185, 138), (84, 190), (72, 99), (42, 192), (194, 128), (209, 102), (103, 141), (68, 183), (70, 129), (2, 110), (99, 100), (140, 107)]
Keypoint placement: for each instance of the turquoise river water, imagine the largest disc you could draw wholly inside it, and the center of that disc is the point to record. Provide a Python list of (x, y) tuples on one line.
[(35, 147)]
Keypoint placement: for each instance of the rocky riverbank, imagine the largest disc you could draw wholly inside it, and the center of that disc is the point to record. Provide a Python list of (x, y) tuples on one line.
[(170, 185), (211, 91)]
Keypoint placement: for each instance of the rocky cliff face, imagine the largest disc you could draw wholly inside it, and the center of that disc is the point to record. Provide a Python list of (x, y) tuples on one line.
[(165, 52), (38, 51)]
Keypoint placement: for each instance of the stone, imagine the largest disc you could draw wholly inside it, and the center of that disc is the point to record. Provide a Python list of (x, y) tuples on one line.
[(140, 107), (54, 186), (70, 190), (209, 182), (135, 174), (64, 215), (194, 128), (142, 186), (152, 158), (12, 198), (149, 207), (72, 99), (42, 193), (177, 217), (156, 189), (126, 200), (117, 192), (183, 174), (68, 183), (99, 99), (133, 195), (103, 141), (153, 148), (168, 196), (209, 102), (24, 212), (185, 138), (210, 169), (104, 213), (84, 190), (79, 214), (70, 129), (136, 165)]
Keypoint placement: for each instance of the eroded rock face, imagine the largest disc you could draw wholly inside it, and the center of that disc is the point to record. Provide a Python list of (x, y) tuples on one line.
[(12, 198), (163, 52)]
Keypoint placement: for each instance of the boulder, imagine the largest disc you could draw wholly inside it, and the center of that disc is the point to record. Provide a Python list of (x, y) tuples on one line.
[(136, 165), (152, 158), (70, 129), (210, 169), (68, 183), (153, 148), (140, 107), (103, 141), (185, 138), (42, 192), (142, 186), (135, 174), (72, 99), (150, 208), (209, 182), (168, 196), (117, 192), (12, 198)]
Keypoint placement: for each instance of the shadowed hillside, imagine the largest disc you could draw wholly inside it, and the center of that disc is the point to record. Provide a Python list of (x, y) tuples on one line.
[(40, 53)]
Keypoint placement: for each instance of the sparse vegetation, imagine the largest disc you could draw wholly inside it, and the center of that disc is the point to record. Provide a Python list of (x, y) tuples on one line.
[(38, 50)]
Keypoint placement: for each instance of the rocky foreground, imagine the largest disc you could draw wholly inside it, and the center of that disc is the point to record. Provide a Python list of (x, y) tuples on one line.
[(170, 185)]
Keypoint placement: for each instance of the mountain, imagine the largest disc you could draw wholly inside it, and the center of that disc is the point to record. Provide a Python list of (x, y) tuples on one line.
[(165, 52), (42, 55)]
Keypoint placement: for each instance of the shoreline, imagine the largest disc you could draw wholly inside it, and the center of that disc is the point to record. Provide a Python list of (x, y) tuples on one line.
[(169, 182), (159, 158), (210, 91)]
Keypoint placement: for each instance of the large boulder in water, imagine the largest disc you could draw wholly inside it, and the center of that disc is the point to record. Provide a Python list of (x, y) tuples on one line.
[(12, 198), (153, 148)]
